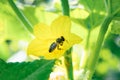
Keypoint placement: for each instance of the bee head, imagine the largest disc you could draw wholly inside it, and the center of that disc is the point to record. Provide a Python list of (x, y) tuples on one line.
[(62, 38)]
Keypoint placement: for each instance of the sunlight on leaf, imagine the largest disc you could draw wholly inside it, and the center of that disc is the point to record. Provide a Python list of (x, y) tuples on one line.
[(95, 13), (79, 13)]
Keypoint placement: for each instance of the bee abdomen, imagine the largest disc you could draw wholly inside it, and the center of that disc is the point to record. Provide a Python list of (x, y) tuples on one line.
[(52, 46)]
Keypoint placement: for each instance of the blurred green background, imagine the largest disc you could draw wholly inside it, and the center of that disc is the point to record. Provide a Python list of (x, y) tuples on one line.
[(86, 18)]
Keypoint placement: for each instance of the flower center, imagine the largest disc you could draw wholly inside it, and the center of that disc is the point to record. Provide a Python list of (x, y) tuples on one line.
[(57, 44)]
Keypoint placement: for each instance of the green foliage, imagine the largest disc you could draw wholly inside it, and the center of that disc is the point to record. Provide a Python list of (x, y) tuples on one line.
[(12, 27), (115, 27), (93, 20), (111, 44), (38, 2), (36, 70), (96, 13), (3, 1), (113, 7), (4, 52), (90, 17), (92, 5), (27, 12)]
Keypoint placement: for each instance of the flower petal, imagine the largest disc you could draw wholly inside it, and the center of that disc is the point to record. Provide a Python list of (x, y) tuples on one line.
[(38, 47), (61, 25), (45, 36), (74, 39), (42, 31), (55, 54), (41, 48)]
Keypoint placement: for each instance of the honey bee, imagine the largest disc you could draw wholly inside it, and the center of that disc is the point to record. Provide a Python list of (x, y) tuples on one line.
[(54, 45)]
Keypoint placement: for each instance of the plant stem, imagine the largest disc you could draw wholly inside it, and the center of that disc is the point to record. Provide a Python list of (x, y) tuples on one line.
[(68, 64), (87, 49), (95, 55), (109, 7), (85, 57), (65, 7), (88, 39), (68, 54), (21, 16)]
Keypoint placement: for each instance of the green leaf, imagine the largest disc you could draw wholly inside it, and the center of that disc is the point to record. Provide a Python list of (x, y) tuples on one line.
[(93, 5), (115, 27), (36, 70), (3, 66), (3, 1), (96, 10), (94, 20), (113, 7), (112, 43), (91, 22)]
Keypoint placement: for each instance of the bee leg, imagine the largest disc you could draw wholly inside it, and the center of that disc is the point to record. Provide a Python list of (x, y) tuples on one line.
[(61, 43), (58, 47)]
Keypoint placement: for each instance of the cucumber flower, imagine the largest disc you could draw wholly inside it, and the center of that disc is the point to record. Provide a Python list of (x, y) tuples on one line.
[(52, 41)]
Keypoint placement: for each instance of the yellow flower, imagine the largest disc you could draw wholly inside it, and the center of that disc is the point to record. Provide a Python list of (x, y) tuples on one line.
[(52, 41)]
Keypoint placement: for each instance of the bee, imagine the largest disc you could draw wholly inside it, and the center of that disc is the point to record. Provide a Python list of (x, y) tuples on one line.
[(54, 45)]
